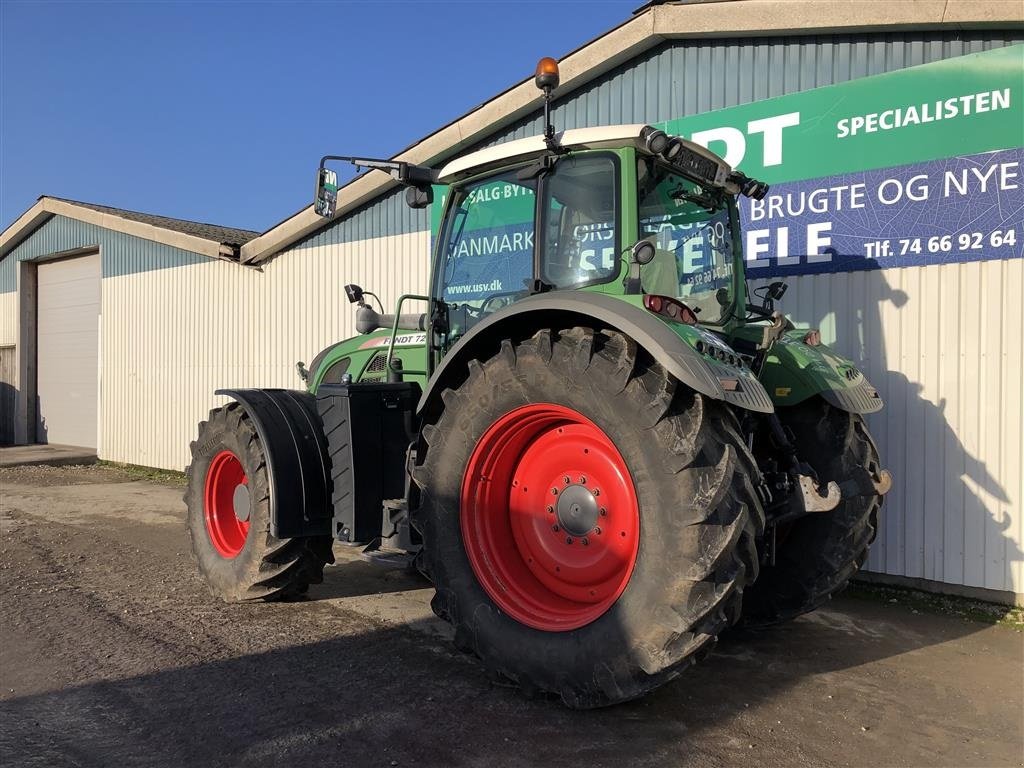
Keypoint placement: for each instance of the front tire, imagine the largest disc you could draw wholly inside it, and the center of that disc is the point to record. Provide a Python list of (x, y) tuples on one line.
[(818, 554), (228, 500), (659, 483)]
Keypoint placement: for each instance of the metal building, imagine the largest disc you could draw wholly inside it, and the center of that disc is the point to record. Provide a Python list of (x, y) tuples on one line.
[(178, 318)]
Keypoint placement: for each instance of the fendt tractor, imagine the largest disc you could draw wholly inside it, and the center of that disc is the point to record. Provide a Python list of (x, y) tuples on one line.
[(599, 448)]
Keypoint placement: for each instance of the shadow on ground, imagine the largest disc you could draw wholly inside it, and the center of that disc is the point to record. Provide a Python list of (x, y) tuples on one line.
[(356, 578), (393, 697)]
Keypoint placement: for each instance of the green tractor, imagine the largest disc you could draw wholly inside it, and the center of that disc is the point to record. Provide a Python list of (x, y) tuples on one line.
[(593, 442)]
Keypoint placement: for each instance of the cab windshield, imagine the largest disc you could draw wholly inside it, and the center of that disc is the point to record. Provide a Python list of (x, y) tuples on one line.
[(489, 256), (691, 230)]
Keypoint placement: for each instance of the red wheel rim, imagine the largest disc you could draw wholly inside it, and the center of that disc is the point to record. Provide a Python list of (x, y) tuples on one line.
[(549, 517), (223, 480)]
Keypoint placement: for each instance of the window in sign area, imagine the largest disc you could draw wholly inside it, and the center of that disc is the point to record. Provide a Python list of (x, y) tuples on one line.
[(580, 246)]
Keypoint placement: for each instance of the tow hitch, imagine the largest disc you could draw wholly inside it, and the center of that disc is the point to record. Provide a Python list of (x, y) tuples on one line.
[(864, 484), (796, 491), (811, 498)]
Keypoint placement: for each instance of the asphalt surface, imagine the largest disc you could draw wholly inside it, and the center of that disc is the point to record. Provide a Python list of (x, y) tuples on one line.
[(113, 653)]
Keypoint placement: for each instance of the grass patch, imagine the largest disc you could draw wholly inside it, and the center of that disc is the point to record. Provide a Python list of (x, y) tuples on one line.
[(945, 605), (135, 472)]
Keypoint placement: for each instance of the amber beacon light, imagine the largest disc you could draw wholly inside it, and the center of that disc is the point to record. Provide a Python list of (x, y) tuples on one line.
[(546, 76)]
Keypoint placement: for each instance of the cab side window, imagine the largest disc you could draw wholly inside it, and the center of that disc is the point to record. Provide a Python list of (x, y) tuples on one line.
[(580, 244)]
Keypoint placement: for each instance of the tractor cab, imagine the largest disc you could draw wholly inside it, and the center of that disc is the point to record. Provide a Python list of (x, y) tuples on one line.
[(622, 210)]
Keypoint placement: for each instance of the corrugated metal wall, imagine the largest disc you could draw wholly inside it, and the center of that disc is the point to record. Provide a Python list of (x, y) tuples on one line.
[(944, 346), (8, 373), (8, 359), (173, 336), (8, 318), (8, 276)]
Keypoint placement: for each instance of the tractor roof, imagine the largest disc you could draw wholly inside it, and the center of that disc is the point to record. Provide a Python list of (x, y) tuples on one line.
[(580, 138), (501, 154)]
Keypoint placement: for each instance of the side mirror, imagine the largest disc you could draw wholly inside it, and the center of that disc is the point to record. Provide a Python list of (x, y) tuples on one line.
[(326, 193)]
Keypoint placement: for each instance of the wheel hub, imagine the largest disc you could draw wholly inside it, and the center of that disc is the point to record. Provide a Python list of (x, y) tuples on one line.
[(240, 502), (577, 510), (549, 516)]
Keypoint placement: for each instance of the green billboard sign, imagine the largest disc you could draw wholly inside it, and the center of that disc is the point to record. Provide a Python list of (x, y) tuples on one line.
[(961, 106), (914, 167)]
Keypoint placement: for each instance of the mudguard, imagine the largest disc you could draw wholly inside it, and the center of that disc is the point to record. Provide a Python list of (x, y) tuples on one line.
[(794, 371), (673, 345), (298, 464)]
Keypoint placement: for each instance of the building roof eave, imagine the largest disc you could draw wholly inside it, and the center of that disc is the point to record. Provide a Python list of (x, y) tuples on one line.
[(46, 206)]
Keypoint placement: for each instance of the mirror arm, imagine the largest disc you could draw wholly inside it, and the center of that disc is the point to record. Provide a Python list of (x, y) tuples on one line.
[(405, 173)]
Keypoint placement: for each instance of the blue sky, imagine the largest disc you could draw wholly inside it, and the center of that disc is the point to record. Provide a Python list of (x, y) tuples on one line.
[(219, 112)]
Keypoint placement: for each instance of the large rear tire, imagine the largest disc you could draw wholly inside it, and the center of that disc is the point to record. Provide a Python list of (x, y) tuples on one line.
[(817, 555), (588, 523), (228, 500)]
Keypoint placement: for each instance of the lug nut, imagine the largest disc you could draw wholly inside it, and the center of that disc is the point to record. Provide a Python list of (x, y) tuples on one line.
[(585, 541), (554, 528), (551, 510), (583, 479), (566, 480), (568, 539), (554, 491), (604, 512), (597, 530), (597, 491)]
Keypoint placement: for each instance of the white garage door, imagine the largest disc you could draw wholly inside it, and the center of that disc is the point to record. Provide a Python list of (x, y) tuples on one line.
[(68, 320)]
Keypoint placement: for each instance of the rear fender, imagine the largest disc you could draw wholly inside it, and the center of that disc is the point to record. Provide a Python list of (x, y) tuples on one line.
[(673, 345), (298, 465), (794, 371)]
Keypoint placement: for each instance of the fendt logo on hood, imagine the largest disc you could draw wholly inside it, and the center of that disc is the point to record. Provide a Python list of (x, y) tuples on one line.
[(401, 340)]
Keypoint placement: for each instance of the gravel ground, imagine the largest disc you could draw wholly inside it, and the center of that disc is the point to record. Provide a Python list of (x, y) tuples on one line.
[(113, 653)]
